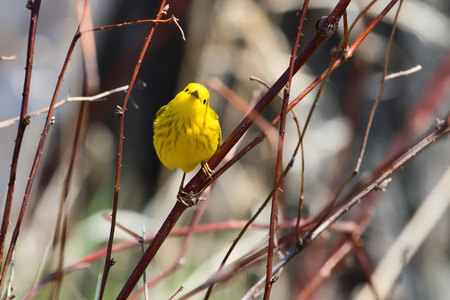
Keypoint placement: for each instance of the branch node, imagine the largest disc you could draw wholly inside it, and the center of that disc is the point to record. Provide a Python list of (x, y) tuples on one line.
[(112, 262), (27, 120), (327, 32), (286, 90)]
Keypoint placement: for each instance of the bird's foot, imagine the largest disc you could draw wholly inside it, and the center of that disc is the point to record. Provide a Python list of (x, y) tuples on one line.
[(207, 170), (189, 199)]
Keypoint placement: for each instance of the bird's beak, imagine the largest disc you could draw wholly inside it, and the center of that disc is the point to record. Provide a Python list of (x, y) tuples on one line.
[(195, 94)]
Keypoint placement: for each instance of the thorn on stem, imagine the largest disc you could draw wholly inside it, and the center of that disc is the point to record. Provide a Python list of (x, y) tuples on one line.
[(299, 13), (438, 123), (177, 292), (27, 120), (383, 185), (165, 9), (118, 111), (30, 5), (112, 262), (142, 85), (286, 90)]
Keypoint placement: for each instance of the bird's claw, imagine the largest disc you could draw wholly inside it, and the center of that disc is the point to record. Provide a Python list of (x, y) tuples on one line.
[(207, 170), (189, 199)]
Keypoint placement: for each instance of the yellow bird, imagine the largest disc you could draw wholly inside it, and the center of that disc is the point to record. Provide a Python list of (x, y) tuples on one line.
[(187, 131)]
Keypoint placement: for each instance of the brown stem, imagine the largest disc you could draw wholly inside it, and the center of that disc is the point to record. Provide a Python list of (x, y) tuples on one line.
[(366, 136), (377, 182), (61, 224), (197, 183), (322, 35), (297, 100), (48, 123), (24, 121), (152, 249), (121, 114), (279, 161), (189, 235)]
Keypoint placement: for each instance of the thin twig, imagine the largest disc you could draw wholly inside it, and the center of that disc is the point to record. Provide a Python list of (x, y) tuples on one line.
[(198, 182), (330, 207), (199, 177), (279, 159), (325, 270), (128, 231), (53, 277), (99, 97), (442, 129), (302, 186), (231, 96), (91, 83), (403, 73), (180, 289), (380, 92), (61, 224), (144, 276), (11, 57), (156, 21), (24, 121), (49, 121), (363, 261), (228, 225), (177, 261), (264, 204), (414, 235), (10, 287), (121, 115), (330, 68)]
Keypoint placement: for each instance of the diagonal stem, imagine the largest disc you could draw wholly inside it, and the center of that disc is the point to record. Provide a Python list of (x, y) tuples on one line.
[(196, 184)]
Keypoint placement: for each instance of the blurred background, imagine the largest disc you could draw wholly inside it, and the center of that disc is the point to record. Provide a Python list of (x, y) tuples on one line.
[(227, 41)]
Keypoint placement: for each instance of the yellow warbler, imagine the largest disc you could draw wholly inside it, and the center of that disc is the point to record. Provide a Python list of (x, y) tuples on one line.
[(187, 131)]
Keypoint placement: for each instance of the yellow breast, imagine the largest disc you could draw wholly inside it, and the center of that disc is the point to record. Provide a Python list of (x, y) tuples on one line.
[(187, 131)]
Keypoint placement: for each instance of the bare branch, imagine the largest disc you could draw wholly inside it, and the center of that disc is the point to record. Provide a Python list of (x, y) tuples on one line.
[(99, 97)]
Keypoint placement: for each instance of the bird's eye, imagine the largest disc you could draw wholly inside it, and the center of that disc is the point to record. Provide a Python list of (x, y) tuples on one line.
[(204, 101), (186, 90)]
